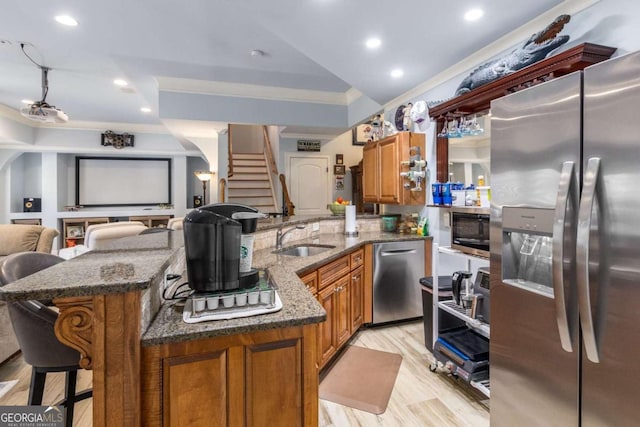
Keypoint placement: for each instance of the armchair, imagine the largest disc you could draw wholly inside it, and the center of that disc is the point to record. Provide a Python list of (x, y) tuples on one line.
[(16, 238), (22, 238)]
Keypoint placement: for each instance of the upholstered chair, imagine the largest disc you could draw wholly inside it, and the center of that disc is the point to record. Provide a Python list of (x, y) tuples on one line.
[(99, 236), (175, 223), (33, 323)]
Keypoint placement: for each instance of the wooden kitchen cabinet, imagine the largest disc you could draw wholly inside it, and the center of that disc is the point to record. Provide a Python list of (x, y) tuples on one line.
[(310, 280), (336, 330), (341, 285), (381, 167), (327, 346), (389, 171), (356, 299), (343, 310), (370, 173), (257, 379)]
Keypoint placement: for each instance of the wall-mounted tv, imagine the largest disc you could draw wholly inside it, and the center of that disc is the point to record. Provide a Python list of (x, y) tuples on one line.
[(122, 181)]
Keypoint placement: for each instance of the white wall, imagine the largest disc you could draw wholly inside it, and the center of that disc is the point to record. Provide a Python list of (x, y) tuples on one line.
[(352, 154), (246, 138)]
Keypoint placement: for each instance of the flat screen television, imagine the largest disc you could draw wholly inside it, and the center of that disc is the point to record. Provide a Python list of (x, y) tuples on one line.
[(122, 181)]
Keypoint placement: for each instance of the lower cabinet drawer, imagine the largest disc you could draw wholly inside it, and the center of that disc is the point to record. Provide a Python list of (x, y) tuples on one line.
[(334, 270)]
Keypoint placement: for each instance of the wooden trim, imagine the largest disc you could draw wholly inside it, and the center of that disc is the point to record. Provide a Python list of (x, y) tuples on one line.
[(230, 154), (368, 283), (285, 194), (269, 151), (222, 188), (116, 361), (236, 406), (310, 371), (428, 257), (74, 326), (442, 154)]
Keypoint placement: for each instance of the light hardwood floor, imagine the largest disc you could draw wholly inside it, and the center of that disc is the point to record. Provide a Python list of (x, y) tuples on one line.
[(420, 398)]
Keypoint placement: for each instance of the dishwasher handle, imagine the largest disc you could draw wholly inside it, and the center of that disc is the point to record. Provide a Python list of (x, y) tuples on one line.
[(397, 252)]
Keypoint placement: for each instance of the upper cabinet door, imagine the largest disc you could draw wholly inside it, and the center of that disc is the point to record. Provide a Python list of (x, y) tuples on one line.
[(389, 171), (370, 173), (381, 169)]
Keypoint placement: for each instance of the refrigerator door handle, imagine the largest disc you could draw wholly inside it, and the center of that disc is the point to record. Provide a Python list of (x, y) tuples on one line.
[(589, 193), (567, 193)]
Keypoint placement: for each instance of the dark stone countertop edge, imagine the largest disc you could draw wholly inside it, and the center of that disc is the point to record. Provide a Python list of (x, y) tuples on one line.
[(81, 290), (103, 289)]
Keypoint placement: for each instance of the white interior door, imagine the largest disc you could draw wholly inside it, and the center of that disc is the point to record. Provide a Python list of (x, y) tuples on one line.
[(309, 183)]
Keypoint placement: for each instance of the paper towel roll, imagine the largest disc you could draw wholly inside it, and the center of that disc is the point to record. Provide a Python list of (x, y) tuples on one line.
[(350, 219)]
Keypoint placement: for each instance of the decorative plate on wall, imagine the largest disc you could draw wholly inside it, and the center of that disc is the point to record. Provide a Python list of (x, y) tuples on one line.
[(399, 119)]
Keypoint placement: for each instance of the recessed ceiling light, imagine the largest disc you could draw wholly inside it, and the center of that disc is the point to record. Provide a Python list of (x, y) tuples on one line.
[(120, 82), (473, 14), (257, 53), (67, 20), (373, 43), (145, 109), (27, 101), (397, 73)]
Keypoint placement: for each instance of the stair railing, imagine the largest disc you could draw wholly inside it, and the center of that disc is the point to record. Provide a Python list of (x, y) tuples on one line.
[(230, 154), (288, 208), (222, 188), (269, 151)]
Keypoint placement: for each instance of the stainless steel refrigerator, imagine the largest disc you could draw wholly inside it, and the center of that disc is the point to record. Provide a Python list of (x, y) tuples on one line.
[(565, 250)]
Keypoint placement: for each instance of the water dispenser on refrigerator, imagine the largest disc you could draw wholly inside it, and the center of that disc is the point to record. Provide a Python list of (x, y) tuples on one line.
[(527, 249)]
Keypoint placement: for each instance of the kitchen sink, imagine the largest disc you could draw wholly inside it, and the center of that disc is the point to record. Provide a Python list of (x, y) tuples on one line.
[(303, 250)]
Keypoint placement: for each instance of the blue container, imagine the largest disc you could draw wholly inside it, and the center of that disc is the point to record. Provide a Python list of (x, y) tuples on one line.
[(446, 193), (436, 192)]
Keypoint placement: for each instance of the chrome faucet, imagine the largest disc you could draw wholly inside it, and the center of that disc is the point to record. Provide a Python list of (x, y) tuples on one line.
[(280, 235)]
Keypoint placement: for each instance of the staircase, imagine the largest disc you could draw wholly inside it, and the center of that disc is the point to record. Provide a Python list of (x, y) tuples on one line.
[(250, 184)]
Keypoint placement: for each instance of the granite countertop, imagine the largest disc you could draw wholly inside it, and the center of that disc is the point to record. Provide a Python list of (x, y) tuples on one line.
[(299, 306), (131, 264)]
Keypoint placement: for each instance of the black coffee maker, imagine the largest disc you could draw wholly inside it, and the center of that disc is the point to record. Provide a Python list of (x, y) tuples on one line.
[(212, 247)]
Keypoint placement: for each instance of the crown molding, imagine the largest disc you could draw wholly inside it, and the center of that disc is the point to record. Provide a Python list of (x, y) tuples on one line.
[(14, 115), (96, 150), (241, 90), (506, 42), (321, 137), (102, 126)]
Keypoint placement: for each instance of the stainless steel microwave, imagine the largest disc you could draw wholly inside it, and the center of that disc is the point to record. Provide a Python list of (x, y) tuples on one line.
[(470, 230)]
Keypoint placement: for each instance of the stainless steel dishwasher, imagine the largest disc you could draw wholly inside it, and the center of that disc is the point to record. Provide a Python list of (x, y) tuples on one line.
[(397, 269)]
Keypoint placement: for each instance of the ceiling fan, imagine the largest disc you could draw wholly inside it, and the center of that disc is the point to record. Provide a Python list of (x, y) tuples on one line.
[(41, 111)]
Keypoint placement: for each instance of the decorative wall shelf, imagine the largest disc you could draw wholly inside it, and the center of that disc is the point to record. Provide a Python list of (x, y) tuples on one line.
[(479, 100)]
